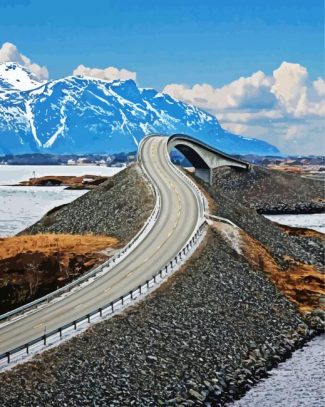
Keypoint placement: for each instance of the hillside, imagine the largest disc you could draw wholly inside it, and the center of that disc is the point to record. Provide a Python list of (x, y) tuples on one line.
[(87, 115), (271, 191), (204, 337), (118, 207)]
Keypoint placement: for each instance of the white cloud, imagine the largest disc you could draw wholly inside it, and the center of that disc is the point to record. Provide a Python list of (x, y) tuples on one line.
[(250, 92), (109, 74), (10, 53), (284, 108)]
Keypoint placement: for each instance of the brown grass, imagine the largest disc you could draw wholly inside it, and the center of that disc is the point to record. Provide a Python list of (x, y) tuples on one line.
[(301, 283), (54, 243), (296, 231), (32, 266)]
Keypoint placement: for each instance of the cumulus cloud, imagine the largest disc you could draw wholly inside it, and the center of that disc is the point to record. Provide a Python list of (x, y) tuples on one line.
[(10, 53), (109, 74), (283, 108)]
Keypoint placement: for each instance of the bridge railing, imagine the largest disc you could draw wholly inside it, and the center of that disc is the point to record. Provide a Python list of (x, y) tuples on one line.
[(104, 267), (53, 336), (202, 200)]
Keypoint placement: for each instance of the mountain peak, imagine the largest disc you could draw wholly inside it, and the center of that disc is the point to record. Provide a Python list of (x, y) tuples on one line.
[(82, 115), (16, 77)]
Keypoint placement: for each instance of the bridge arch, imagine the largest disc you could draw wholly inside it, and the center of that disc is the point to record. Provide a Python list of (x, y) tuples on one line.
[(203, 157)]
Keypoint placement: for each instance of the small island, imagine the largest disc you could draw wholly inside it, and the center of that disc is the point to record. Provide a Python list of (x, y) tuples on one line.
[(71, 182)]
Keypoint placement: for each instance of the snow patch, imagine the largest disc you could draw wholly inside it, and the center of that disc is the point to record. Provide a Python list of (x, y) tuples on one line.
[(15, 77), (30, 118), (230, 234)]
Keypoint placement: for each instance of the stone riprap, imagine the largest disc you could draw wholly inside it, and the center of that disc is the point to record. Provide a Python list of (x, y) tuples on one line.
[(206, 337), (202, 339), (281, 245), (118, 207), (271, 191)]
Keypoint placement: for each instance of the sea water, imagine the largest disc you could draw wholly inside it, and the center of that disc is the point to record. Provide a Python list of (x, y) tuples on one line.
[(299, 381), (20, 207)]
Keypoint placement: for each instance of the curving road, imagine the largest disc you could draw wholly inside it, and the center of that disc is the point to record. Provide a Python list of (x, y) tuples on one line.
[(180, 210)]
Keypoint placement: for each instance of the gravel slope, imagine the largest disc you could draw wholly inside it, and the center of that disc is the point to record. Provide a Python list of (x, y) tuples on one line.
[(202, 339), (218, 323), (118, 207), (271, 191), (231, 205)]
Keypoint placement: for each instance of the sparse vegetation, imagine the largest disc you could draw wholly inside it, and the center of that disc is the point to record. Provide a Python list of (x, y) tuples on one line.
[(31, 266)]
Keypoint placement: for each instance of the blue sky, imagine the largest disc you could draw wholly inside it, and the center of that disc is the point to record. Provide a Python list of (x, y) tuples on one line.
[(168, 42), (213, 41)]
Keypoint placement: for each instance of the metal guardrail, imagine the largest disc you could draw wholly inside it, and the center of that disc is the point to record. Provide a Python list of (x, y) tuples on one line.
[(103, 268), (221, 219), (129, 297), (106, 310)]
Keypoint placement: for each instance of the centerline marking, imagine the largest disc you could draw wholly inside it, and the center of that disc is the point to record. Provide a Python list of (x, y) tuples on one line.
[(39, 325)]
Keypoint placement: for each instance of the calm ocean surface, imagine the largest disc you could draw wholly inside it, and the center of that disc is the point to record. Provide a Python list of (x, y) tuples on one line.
[(20, 207)]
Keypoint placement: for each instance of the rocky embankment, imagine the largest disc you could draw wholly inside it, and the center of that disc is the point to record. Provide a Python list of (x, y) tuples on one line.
[(210, 333), (118, 207), (72, 239), (293, 258), (202, 339), (271, 191)]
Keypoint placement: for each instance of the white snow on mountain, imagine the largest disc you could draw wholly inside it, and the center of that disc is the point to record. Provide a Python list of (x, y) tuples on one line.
[(88, 115), (15, 77)]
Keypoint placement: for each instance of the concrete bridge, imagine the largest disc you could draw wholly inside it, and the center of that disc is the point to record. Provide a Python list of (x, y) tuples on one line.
[(203, 157), (170, 236)]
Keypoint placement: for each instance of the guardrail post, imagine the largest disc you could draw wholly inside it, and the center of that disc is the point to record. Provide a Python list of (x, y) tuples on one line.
[(112, 305), (131, 294), (100, 312), (75, 324), (171, 264), (44, 338), (166, 269), (147, 282), (8, 357), (88, 318), (60, 332), (154, 278), (139, 289), (122, 300), (27, 349)]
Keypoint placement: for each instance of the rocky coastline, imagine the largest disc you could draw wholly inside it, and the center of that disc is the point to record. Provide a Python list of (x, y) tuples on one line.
[(206, 336), (70, 182), (299, 208)]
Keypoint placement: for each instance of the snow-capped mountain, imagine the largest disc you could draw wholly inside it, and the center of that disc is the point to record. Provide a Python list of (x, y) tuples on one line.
[(16, 77), (87, 115)]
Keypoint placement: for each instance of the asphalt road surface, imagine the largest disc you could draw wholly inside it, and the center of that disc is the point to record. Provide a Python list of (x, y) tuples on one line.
[(175, 224)]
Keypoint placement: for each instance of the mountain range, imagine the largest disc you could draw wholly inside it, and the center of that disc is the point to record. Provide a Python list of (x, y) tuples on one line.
[(82, 115)]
